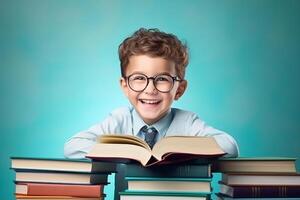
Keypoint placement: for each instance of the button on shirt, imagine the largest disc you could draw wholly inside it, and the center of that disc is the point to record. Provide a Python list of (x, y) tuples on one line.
[(126, 120)]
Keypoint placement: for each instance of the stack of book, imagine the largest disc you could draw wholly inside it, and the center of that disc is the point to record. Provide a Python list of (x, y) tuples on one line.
[(159, 173), (175, 181), (40, 178), (258, 178)]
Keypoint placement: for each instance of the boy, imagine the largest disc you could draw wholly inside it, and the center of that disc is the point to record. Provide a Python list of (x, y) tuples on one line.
[(153, 67)]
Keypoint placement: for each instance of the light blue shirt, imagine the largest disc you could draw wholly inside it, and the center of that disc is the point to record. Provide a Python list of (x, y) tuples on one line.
[(126, 120)]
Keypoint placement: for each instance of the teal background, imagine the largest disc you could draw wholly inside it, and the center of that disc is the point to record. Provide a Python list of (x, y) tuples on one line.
[(59, 70)]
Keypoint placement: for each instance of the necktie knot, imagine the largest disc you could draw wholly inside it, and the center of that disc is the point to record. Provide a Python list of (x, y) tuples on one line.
[(150, 135)]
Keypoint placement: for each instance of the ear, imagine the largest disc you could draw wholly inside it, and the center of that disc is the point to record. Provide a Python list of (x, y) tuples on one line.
[(124, 86), (181, 89)]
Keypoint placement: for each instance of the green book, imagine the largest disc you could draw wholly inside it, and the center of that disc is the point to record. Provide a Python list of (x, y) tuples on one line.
[(146, 195), (255, 165), (192, 185), (61, 164)]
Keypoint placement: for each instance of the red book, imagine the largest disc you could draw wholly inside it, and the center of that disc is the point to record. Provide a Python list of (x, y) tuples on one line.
[(59, 190), (30, 197)]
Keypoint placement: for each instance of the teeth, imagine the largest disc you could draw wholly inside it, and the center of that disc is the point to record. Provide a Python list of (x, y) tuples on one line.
[(149, 101)]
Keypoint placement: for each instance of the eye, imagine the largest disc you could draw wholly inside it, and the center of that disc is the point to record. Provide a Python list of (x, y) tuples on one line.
[(163, 79), (138, 78)]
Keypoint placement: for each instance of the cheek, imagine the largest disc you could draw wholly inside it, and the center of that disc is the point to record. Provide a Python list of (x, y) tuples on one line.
[(132, 95), (170, 96)]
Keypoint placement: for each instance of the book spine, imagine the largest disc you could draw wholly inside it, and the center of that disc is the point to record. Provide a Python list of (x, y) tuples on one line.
[(98, 179), (120, 183), (43, 197), (180, 171), (103, 167), (166, 194), (59, 172), (266, 191), (65, 190)]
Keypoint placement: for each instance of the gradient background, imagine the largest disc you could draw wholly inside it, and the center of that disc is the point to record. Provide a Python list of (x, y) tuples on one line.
[(60, 70)]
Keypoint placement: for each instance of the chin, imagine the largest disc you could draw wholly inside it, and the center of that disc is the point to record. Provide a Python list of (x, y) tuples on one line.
[(150, 118)]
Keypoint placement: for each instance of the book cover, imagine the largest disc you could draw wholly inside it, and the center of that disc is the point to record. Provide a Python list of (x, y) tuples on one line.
[(169, 184), (223, 197), (146, 195), (59, 189), (261, 179), (178, 170), (255, 165), (32, 197), (61, 164), (260, 191), (60, 177)]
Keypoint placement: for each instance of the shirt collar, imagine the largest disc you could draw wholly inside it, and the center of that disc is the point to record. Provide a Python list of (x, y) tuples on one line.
[(161, 126)]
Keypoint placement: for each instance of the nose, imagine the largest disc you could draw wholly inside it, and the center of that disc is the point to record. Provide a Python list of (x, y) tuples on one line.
[(150, 87)]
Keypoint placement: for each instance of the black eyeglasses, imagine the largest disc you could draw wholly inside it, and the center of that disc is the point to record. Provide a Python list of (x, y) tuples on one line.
[(162, 82)]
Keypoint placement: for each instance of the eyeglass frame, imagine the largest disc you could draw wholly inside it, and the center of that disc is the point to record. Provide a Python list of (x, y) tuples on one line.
[(174, 78)]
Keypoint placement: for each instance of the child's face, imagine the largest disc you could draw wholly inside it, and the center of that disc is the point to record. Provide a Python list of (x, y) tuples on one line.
[(150, 103)]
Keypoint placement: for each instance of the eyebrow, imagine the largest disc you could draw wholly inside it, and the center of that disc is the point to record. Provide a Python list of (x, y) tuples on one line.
[(163, 73)]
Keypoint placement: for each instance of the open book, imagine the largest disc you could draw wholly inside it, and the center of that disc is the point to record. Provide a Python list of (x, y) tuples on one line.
[(167, 150)]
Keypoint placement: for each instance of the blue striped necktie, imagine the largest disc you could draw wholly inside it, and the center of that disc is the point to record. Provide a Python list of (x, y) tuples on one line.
[(150, 135)]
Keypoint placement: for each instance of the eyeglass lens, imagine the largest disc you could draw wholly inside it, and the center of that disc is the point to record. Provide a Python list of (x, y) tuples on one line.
[(163, 83)]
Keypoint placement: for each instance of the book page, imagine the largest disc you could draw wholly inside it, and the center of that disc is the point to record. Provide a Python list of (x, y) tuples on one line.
[(126, 151), (123, 139), (196, 145)]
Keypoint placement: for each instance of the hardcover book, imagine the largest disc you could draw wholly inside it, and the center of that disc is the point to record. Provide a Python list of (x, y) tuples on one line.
[(169, 184), (261, 179), (182, 170), (255, 165), (59, 189), (131, 195), (167, 150), (223, 197), (260, 191), (60, 164), (60, 177), (27, 197)]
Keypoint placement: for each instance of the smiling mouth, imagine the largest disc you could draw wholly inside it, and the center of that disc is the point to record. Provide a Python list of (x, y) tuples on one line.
[(150, 101)]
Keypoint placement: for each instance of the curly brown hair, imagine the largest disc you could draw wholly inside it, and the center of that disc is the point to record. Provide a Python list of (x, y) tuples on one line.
[(155, 43)]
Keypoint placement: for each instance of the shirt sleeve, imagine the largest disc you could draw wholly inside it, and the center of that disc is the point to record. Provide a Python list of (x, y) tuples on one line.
[(81, 143), (224, 140)]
